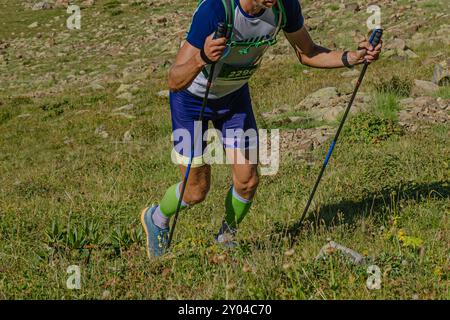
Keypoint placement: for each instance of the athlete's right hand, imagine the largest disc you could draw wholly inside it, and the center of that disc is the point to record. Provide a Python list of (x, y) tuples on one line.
[(214, 48)]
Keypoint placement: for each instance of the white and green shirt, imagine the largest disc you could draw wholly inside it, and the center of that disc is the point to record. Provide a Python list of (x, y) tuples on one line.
[(251, 36)]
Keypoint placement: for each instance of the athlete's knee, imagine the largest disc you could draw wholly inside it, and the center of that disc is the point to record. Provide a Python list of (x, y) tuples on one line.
[(247, 185), (197, 193)]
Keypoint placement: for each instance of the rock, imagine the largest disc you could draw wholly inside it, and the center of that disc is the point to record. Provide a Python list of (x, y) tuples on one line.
[(61, 3), (332, 113), (441, 75), (423, 102), (299, 142), (396, 43), (389, 53), (423, 110), (319, 97), (424, 88), (88, 3), (352, 7), (43, 5), (406, 102)]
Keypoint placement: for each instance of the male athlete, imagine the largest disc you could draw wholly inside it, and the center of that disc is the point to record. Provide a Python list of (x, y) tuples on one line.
[(255, 27)]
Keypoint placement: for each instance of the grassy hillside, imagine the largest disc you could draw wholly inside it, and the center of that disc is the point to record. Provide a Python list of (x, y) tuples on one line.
[(85, 145)]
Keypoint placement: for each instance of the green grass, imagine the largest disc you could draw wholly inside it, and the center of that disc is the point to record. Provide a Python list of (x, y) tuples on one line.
[(444, 92), (386, 106), (70, 197)]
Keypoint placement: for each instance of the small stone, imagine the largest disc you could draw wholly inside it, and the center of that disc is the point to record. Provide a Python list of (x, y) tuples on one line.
[(289, 253), (123, 115), (88, 3), (127, 107), (126, 96), (101, 132), (43, 5), (352, 7), (23, 116), (61, 4), (287, 266), (106, 295), (127, 137), (163, 93), (33, 25), (411, 54), (123, 88), (96, 86)]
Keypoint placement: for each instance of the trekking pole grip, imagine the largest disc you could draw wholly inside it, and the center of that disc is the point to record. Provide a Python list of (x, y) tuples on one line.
[(221, 31), (375, 38)]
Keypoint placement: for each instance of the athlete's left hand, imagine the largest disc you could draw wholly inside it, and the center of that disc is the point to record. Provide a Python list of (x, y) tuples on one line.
[(365, 52)]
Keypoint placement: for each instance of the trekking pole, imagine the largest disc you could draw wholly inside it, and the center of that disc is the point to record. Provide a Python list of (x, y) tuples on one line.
[(374, 41), (220, 33)]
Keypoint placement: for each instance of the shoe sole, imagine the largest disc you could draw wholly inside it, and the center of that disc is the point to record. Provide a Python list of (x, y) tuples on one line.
[(145, 229)]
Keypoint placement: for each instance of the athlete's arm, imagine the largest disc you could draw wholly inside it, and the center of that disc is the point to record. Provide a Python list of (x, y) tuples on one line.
[(313, 55), (188, 63)]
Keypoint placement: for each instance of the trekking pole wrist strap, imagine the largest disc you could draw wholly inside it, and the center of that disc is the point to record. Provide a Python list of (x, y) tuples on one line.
[(205, 57), (345, 60)]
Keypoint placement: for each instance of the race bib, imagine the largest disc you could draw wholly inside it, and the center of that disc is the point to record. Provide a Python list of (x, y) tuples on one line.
[(233, 73)]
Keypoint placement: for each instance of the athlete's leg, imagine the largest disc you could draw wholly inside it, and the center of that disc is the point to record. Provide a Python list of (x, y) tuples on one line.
[(196, 190), (241, 144), (245, 183), (156, 220), (198, 184)]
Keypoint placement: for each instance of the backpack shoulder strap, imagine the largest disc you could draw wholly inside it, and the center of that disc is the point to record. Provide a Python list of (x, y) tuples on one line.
[(280, 15), (229, 16)]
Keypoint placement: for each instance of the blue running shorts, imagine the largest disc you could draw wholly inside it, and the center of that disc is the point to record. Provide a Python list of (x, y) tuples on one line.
[(232, 117)]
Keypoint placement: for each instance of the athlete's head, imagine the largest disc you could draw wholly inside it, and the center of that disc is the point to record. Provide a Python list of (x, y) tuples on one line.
[(265, 4)]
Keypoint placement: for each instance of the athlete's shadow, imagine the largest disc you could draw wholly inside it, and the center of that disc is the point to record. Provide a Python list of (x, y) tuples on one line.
[(377, 204)]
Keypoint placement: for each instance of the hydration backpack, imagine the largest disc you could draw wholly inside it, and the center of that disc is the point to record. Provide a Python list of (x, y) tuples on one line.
[(230, 7)]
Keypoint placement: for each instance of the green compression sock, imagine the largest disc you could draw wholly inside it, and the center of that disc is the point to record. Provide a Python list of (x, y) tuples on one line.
[(236, 208), (169, 202)]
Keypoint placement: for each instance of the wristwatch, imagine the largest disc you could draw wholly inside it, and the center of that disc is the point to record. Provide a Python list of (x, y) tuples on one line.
[(345, 60)]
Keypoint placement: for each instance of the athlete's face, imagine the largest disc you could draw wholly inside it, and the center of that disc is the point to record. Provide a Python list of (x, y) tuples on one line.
[(266, 4)]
